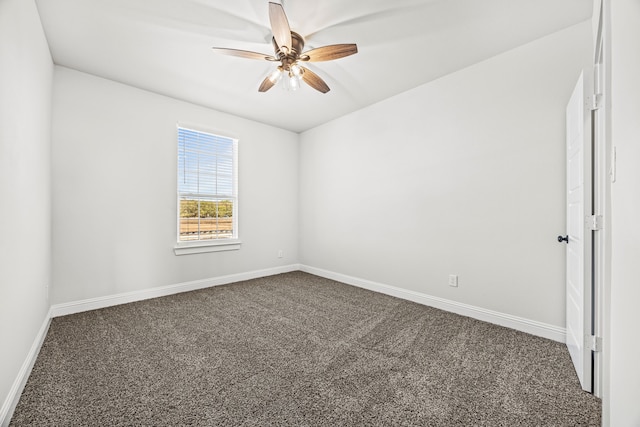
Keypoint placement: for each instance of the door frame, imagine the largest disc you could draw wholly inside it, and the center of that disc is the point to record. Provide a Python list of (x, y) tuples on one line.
[(600, 183), (602, 175)]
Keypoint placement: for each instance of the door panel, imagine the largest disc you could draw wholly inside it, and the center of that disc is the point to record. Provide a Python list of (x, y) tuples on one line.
[(579, 208)]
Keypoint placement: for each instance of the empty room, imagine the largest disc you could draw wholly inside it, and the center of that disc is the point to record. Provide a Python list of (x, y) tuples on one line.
[(416, 212)]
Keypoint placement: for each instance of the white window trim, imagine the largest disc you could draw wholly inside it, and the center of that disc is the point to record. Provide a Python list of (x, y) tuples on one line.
[(204, 246)]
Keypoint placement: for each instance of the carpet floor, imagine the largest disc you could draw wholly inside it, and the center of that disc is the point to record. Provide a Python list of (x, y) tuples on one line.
[(296, 350)]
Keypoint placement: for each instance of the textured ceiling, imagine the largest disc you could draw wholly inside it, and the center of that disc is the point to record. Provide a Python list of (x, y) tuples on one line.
[(164, 46)]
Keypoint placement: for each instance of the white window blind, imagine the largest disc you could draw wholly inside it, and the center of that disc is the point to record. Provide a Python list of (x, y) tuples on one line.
[(207, 186)]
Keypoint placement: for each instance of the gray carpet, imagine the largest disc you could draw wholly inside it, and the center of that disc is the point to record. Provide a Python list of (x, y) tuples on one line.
[(296, 349)]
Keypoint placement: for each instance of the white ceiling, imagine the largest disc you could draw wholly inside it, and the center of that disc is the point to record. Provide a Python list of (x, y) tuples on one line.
[(164, 46)]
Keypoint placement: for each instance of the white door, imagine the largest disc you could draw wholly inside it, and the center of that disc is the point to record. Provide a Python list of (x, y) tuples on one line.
[(579, 231)]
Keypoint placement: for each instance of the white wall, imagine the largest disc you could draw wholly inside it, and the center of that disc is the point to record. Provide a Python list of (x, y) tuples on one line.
[(114, 190), (464, 175), (624, 360), (26, 73)]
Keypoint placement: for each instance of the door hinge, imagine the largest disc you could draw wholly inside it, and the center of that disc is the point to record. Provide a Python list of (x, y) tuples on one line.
[(594, 222), (593, 343), (595, 101)]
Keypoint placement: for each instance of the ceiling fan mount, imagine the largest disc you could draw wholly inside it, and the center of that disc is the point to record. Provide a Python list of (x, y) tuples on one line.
[(288, 46)]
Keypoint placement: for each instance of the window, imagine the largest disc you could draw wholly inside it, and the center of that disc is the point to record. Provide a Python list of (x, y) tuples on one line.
[(207, 192)]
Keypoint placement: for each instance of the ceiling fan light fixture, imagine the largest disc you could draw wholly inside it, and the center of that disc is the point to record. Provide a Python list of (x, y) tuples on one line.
[(296, 70), (290, 82), (276, 75), (294, 83)]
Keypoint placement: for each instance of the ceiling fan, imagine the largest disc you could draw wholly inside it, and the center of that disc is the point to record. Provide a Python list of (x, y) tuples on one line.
[(288, 47)]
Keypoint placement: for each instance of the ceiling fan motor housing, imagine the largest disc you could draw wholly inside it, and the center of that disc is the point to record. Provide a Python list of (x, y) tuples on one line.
[(290, 58)]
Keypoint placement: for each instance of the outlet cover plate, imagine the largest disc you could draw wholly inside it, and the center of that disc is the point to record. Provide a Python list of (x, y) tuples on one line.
[(453, 280)]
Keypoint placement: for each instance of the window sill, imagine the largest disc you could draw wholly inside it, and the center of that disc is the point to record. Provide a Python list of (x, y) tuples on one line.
[(199, 247)]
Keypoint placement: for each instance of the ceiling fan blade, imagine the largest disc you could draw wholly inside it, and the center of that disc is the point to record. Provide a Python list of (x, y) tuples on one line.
[(243, 53), (266, 84), (314, 80), (329, 53), (280, 27)]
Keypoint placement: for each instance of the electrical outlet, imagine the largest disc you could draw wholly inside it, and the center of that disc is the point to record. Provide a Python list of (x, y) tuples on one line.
[(280, 253), (453, 280)]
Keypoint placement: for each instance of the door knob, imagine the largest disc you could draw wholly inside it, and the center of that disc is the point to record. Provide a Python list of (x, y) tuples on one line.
[(563, 239)]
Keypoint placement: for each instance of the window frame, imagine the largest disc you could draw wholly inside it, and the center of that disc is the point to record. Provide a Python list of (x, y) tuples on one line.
[(209, 245)]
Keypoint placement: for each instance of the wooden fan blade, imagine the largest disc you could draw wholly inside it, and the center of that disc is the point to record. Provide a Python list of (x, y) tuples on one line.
[(266, 84), (280, 27), (328, 53), (243, 53), (314, 80)]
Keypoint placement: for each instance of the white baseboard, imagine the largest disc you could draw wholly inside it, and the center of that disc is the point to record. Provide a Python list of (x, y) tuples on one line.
[(127, 297), (532, 327), (11, 401)]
